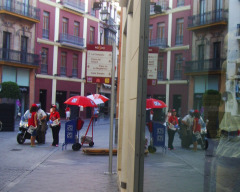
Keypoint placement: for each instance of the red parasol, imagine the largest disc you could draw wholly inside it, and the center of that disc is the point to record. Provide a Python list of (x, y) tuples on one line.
[(155, 103), (97, 98), (80, 101)]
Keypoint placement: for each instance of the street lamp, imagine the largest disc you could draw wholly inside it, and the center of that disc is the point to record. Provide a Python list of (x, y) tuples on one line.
[(105, 15)]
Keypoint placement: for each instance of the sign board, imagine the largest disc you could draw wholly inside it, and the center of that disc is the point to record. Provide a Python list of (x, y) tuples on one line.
[(99, 64), (152, 65)]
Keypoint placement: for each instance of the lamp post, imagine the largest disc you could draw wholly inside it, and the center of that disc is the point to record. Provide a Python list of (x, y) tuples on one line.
[(105, 17)]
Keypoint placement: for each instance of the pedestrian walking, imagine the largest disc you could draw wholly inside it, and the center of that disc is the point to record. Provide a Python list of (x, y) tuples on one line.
[(68, 112), (151, 114), (55, 125), (196, 128), (42, 124), (172, 127), (95, 114), (32, 122)]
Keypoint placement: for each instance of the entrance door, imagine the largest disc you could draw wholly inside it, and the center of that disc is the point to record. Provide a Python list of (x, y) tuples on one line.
[(61, 97), (6, 45), (43, 98), (24, 41), (177, 103)]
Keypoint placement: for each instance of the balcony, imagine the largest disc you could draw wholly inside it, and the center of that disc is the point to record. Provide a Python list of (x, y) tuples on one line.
[(162, 3), (74, 73), (63, 71), (18, 58), (179, 40), (177, 74), (75, 5), (20, 10), (180, 3), (161, 43), (44, 68), (45, 34), (71, 41), (208, 19), (160, 75), (204, 66)]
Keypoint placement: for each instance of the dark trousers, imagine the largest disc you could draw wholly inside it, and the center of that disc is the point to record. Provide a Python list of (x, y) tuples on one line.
[(55, 134), (171, 134)]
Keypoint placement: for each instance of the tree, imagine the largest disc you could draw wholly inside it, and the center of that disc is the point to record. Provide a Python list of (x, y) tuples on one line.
[(10, 90)]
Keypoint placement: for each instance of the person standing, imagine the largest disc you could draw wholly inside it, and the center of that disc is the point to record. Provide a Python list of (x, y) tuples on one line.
[(67, 111), (196, 128), (32, 121), (172, 124), (55, 125), (186, 129), (42, 124)]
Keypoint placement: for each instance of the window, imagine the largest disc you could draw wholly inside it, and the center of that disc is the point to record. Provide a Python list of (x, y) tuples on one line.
[(44, 63), (218, 9), (6, 45), (75, 65), (238, 29), (92, 35), (65, 26), (160, 30), (202, 11), (45, 33), (150, 32), (76, 28), (178, 66), (160, 68), (63, 63), (179, 34)]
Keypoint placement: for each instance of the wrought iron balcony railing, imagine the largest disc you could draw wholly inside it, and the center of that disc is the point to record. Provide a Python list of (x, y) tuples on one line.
[(21, 9), (71, 40), (63, 71), (45, 33), (20, 57), (200, 66), (74, 4), (177, 74), (44, 68), (160, 75), (74, 73), (207, 18), (161, 43), (179, 40), (180, 3)]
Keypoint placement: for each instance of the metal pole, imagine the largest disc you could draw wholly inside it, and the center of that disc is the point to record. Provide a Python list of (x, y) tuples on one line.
[(112, 110)]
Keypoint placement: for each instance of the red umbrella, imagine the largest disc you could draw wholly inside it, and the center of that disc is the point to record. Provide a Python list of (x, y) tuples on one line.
[(155, 103), (97, 98), (80, 101)]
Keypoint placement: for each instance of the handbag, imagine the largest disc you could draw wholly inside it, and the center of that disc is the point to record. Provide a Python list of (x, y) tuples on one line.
[(31, 129)]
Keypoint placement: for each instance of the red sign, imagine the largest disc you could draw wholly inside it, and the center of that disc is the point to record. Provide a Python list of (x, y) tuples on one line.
[(99, 64)]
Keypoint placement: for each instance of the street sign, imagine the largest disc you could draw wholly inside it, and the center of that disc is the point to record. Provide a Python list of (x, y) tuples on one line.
[(99, 64), (152, 65)]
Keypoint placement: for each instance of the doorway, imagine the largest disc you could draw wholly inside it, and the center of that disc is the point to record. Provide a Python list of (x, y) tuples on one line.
[(43, 98), (61, 97), (177, 103)]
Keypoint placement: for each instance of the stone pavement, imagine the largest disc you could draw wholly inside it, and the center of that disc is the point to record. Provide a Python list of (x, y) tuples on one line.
[(68, 170)]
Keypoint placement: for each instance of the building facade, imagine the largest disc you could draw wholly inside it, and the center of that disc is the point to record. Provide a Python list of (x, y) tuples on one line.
[(168, 31), (18, 56)]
